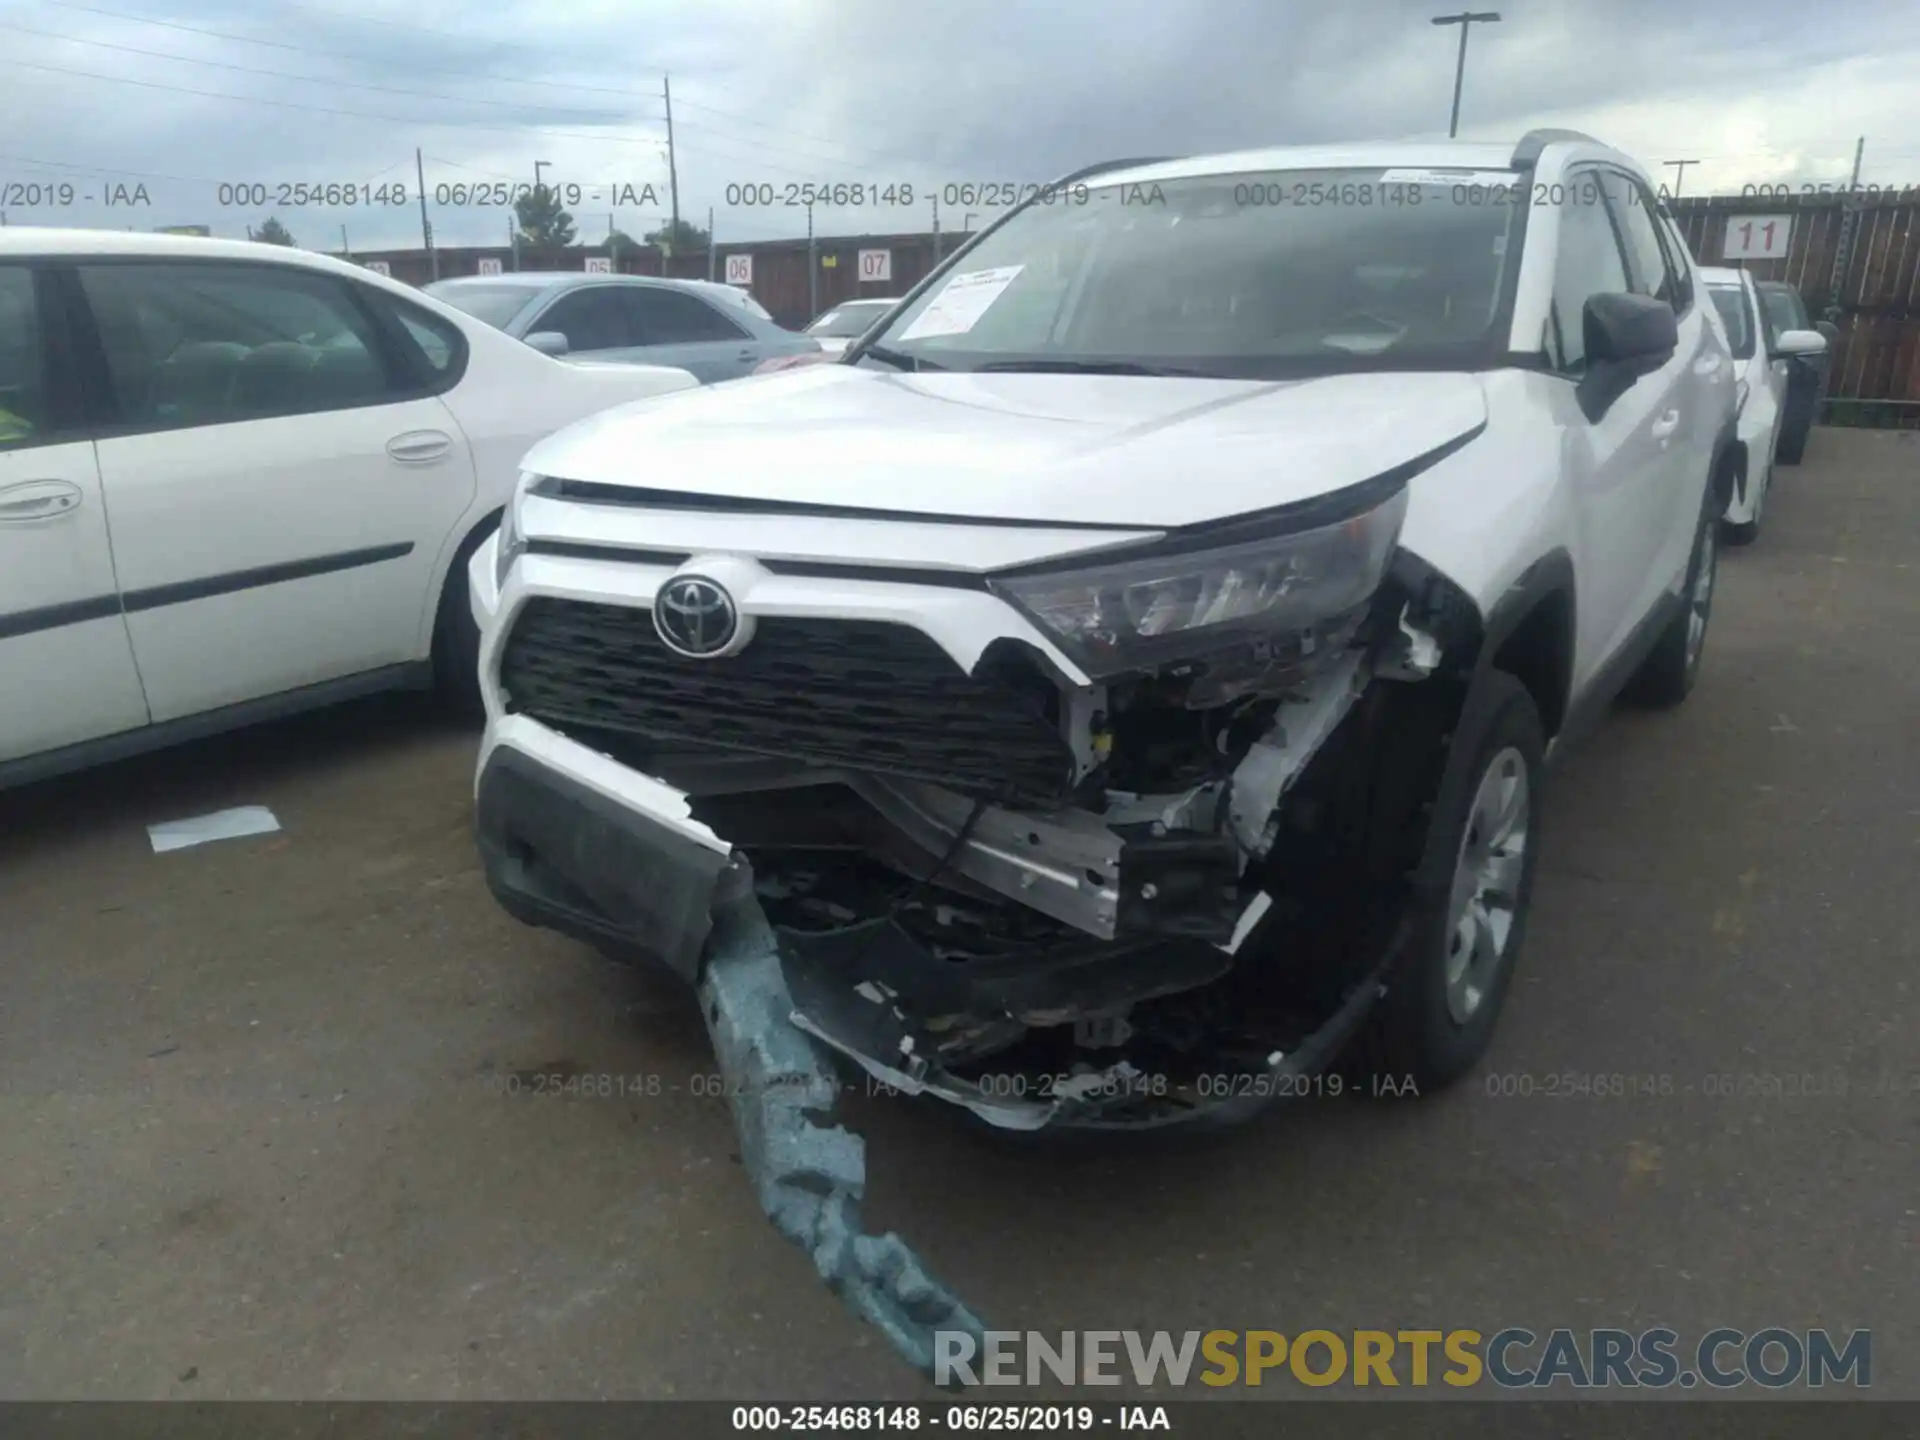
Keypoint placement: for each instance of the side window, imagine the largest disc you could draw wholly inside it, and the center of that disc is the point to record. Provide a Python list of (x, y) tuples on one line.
[(198, 344), (1677, 262), (440, 349), (1588, 263), (1769, 331), (669, 317), (1648, 271), (25, 412), (591, 319)]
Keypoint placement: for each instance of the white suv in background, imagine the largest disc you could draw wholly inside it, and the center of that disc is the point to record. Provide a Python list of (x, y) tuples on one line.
[(1123, 681), (237, 480), (1760, 357)]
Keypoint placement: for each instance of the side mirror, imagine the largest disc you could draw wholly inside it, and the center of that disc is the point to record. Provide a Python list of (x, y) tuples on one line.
[(1828, 329), (1633, 333), (549, 342), (1800, 342)]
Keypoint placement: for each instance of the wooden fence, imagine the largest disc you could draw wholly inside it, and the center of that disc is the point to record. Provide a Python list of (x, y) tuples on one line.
[(1856, 261)]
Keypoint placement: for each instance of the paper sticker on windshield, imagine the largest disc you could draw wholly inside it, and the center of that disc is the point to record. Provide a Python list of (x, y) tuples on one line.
[(961, 302), (1450, 177)]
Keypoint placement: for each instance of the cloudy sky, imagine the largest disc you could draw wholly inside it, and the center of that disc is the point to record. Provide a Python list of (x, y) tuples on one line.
[(182, 96)]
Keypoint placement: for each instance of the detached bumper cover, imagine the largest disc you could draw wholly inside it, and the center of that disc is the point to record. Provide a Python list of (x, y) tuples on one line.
[(559, 853)]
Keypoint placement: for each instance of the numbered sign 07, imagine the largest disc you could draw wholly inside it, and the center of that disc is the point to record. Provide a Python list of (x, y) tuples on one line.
[(876, 267), (739, 269), (1757, 237)]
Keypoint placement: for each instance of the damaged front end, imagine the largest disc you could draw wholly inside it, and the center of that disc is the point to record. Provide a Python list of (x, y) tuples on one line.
[(1139, 888)]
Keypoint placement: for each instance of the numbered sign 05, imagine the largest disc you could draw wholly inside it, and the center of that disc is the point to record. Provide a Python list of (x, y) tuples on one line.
[(1757, 237), (739, 269), (876, 267)]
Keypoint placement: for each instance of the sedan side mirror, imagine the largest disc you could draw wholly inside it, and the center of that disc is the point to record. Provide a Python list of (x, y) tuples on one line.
[(1800, 342), (549, 342), (1828, 329)]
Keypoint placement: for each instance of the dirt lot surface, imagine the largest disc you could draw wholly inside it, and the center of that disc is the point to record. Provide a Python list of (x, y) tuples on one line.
[(254, 1140)]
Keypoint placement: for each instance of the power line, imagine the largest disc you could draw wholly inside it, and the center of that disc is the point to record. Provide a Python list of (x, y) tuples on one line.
[(329, 110), (344, 54), (284, 75)]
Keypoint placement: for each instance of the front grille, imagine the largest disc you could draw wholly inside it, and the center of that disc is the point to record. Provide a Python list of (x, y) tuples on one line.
[(861, 694)]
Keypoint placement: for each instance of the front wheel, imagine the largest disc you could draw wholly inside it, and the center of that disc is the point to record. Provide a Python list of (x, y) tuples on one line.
[(456, 637), (1442, 1002), (1666, 677)]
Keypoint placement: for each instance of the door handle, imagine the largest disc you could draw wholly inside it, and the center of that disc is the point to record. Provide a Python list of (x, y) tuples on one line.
[(1666, 425), (37, 500), (420, 447)]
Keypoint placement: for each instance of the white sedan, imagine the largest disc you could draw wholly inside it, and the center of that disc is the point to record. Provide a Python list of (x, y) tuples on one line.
[(1760, 355), (238, 480)]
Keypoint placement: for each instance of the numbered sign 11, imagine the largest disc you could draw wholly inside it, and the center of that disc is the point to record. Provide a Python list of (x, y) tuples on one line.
[(1757, 237)]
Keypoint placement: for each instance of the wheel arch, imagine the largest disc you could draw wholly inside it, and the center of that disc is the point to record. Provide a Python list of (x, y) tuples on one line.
[(1529, 634), (471, 538)]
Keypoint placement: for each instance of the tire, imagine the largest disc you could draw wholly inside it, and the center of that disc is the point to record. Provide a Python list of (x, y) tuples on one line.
[(1443, 1000), (1745, 532), (1793, 445), (1666, 677), (456, 636)]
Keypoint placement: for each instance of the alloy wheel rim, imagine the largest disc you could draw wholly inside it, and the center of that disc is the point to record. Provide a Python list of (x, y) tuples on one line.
[(1485, 898)]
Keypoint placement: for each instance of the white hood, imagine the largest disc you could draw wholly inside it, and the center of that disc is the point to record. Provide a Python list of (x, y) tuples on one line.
[(1078, 449)]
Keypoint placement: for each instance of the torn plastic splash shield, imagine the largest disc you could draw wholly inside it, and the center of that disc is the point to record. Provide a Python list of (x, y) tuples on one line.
[(809, 1176)]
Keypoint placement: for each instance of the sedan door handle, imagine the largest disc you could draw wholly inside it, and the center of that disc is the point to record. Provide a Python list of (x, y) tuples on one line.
[(420, 447), (37, 500), (1666, 425)]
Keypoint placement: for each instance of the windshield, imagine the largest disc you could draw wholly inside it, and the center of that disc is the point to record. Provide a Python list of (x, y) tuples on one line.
[(1784, 309), (1731, 302), (494, 304), (848, 320), (1247, 275)]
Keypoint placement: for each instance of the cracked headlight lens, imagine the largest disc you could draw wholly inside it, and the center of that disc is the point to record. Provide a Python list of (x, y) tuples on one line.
[(1172, 604), (508, 542)]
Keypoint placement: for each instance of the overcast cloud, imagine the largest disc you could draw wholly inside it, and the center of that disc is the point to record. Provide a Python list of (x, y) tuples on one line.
[(900, 92)]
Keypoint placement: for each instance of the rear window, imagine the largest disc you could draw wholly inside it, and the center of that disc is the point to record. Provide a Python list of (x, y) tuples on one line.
[(1784, 308), (847, 321), (493, 305), (1731, 302)]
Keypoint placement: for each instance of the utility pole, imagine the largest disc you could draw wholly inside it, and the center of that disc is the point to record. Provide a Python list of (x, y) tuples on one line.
[(346, 250), (426, 225), (1679, 173), (673, 167), (813, 271), (1466, 20), (513, 243), (1843, 250), (1859, 149), (709, 242), (936, 229)]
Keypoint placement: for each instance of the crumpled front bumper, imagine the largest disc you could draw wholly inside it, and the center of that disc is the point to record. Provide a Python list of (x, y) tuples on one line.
[(573, 841)]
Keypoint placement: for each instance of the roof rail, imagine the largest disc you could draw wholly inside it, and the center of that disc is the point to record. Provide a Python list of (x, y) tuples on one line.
[(1088, 171), (1527, 152)]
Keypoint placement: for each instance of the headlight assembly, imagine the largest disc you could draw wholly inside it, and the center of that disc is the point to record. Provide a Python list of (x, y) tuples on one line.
[(508, 542), (1168, 606)]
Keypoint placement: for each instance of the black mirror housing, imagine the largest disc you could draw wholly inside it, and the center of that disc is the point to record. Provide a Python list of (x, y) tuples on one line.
[(1636, 333)]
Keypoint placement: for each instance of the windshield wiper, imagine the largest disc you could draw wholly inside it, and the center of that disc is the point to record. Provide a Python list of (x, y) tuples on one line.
[(899, 359), (1088, 367)]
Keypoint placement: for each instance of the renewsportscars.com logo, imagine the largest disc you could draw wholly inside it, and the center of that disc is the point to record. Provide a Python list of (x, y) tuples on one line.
[(1513, 1358)]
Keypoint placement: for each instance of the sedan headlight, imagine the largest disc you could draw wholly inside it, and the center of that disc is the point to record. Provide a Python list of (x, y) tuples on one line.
[(1175, 604), (508, 542)]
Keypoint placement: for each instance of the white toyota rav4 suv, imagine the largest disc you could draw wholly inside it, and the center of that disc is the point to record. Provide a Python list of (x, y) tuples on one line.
[(1123, 681)]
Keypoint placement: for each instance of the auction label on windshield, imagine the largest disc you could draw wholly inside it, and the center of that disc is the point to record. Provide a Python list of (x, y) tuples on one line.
[(961, 302)]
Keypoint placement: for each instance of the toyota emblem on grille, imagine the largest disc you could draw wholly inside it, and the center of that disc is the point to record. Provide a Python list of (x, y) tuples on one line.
[(695, 616)]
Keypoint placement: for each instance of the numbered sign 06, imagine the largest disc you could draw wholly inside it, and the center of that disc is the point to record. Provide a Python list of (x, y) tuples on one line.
[(599, 265), (739, 269), (1757, 237), (876, 267)]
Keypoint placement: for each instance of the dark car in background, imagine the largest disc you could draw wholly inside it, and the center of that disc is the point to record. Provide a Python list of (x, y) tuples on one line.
[(1806, 374), (718, 332)]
